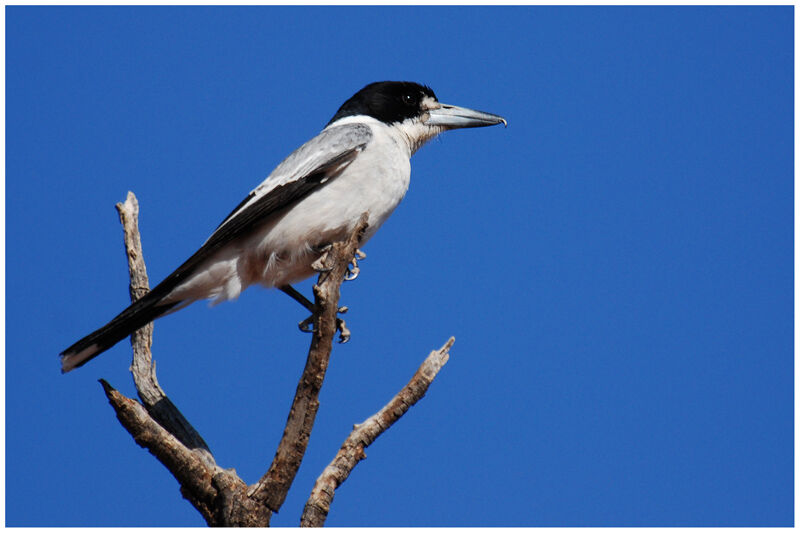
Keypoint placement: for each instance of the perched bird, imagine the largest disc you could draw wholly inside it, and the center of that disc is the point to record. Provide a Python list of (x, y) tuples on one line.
[(359, 163)]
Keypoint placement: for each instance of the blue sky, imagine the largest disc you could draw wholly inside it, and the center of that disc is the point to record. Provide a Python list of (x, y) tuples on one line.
[(616, 265)]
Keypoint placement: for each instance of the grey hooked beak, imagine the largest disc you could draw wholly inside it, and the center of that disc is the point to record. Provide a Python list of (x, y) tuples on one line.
[(452, 117)]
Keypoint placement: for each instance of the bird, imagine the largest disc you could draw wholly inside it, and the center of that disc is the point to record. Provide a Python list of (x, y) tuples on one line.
[(359, 163)]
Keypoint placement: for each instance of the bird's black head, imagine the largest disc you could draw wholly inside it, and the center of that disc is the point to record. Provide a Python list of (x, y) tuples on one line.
[(388, 101)]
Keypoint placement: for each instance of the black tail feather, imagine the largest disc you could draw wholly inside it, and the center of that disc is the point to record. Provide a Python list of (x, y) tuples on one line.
[(138, 314)]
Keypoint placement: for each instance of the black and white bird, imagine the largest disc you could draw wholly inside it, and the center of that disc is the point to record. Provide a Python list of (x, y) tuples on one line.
[(359, 163)]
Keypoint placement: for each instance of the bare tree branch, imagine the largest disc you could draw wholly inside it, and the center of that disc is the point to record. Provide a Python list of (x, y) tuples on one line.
[(143, 368), (220, 495), (190, 471), (274, 485), (352, 451)]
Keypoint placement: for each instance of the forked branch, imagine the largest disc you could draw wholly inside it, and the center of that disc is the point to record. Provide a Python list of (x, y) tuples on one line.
[(143, 368), (273, 487), (218, 494)]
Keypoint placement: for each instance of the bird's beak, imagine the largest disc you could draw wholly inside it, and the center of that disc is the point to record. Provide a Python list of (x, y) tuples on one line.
[(452, 117)]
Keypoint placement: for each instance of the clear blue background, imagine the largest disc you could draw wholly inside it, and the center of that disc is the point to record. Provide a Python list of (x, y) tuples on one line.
[(616, 265)]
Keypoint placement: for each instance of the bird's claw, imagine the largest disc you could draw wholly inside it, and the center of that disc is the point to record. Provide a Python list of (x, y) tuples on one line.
[(319, 264), (352, 269), (352, 273), (344, 333), (307, 326)]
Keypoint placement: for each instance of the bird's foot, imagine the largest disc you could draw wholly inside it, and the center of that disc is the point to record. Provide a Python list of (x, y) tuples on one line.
[(307, 325), (341, 327), (352, 269), (319, 264)]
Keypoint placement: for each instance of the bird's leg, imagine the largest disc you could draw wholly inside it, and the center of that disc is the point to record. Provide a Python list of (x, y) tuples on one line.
[(305, 302), (305, 325), (352, 268), (298, 297)]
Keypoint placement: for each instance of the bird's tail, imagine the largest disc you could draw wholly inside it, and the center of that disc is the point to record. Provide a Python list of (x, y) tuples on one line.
[(137, 315)]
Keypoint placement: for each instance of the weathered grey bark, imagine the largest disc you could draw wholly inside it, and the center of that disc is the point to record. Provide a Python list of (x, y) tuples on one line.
[(352, 451), (220, 496), (143, 368), (214, 492), (273, 486)]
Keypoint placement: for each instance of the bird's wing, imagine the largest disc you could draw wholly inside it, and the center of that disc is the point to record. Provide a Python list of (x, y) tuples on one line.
[(309, 167), (313, 164)]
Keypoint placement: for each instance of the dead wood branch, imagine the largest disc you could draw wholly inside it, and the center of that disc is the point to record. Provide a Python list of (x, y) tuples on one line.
[(273, 487), (352, 451), (192, 473), (220, 495), (143, 367)]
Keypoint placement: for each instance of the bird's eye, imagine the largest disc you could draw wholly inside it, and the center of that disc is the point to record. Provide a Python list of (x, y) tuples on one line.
[(409, 99)]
